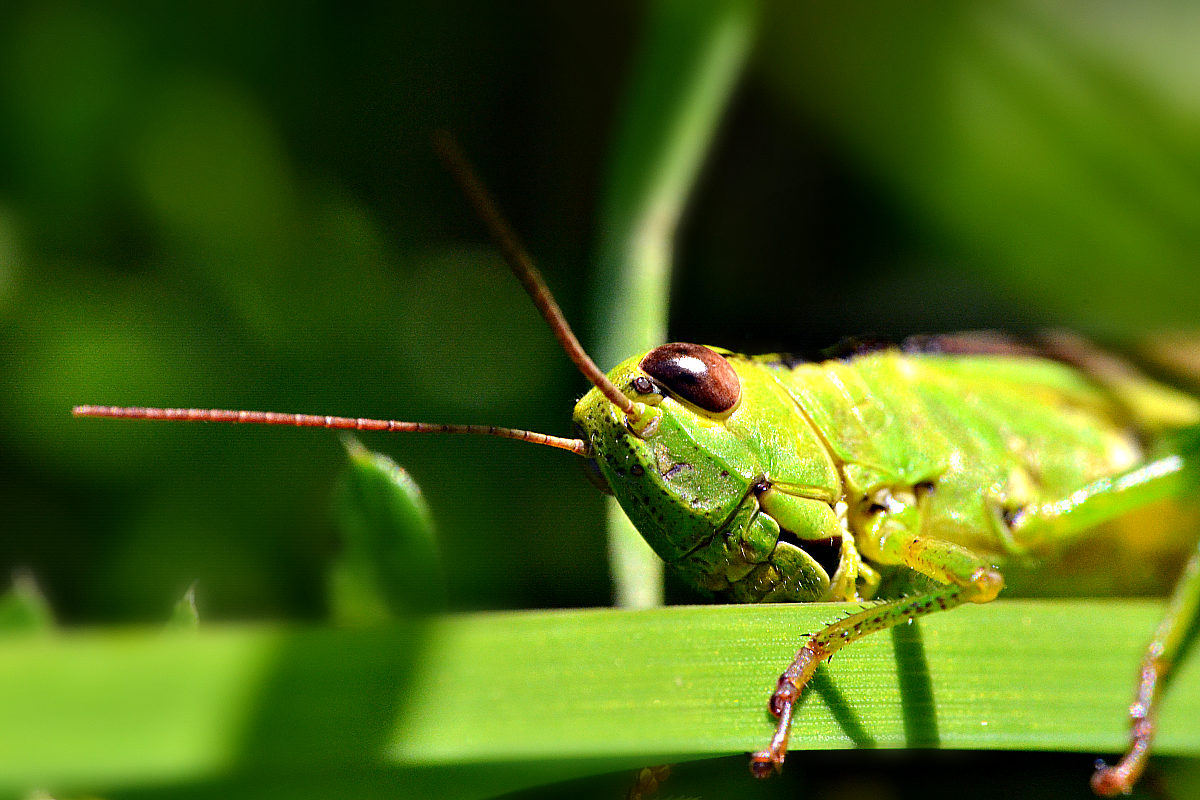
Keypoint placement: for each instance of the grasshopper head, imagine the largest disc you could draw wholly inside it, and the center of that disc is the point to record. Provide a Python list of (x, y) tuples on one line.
[(689, 477)]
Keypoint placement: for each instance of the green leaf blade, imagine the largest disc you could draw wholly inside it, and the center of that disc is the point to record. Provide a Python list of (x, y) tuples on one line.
[(389, 566), (23, 608), (489, 693), (185, 616)]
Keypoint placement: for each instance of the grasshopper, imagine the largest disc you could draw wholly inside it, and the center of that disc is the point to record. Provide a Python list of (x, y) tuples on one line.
[(912, 477)]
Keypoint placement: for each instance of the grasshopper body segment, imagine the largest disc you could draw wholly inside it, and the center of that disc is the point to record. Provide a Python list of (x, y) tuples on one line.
[(834, 456)]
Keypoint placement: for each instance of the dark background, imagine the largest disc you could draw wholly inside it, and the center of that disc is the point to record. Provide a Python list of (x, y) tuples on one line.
[(239, 207)]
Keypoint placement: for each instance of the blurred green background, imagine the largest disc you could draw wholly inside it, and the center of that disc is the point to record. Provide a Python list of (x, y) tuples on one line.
[(219, 205), (239, 207)]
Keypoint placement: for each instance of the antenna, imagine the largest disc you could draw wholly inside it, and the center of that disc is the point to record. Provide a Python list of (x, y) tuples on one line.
[(524, 270), (577, 446), (522, 267)]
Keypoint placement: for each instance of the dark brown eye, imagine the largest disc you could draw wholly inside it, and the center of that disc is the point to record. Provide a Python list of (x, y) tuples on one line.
[(695, 374)]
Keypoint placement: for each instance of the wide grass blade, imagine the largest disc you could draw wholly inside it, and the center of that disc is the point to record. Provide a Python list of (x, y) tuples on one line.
[(468, 706)]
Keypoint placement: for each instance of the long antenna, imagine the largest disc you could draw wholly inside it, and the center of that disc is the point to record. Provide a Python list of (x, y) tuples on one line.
[(522, 267), (577, 446)]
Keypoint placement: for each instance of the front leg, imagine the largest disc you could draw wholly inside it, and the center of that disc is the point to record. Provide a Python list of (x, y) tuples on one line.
[(969, 579)]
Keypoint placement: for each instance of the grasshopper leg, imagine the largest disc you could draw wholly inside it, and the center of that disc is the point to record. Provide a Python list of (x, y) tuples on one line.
[(1167, 476), (1160, 656), (969, 579)]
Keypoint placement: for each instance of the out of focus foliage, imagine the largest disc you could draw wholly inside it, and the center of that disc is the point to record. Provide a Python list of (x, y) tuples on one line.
[(216, 205)]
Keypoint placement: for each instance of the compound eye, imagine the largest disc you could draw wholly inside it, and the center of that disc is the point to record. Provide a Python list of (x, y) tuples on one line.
[(696, 374)]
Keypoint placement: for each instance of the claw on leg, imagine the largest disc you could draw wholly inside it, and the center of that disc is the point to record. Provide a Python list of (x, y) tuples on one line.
[(1112, 781), (1169, 639), (1118, 780), (765, 763)]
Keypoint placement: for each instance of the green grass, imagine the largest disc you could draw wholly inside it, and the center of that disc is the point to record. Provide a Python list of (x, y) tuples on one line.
[(471, 706)]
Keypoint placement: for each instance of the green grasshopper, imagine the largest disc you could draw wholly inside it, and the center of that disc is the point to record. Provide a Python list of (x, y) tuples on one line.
[(911, 477)]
